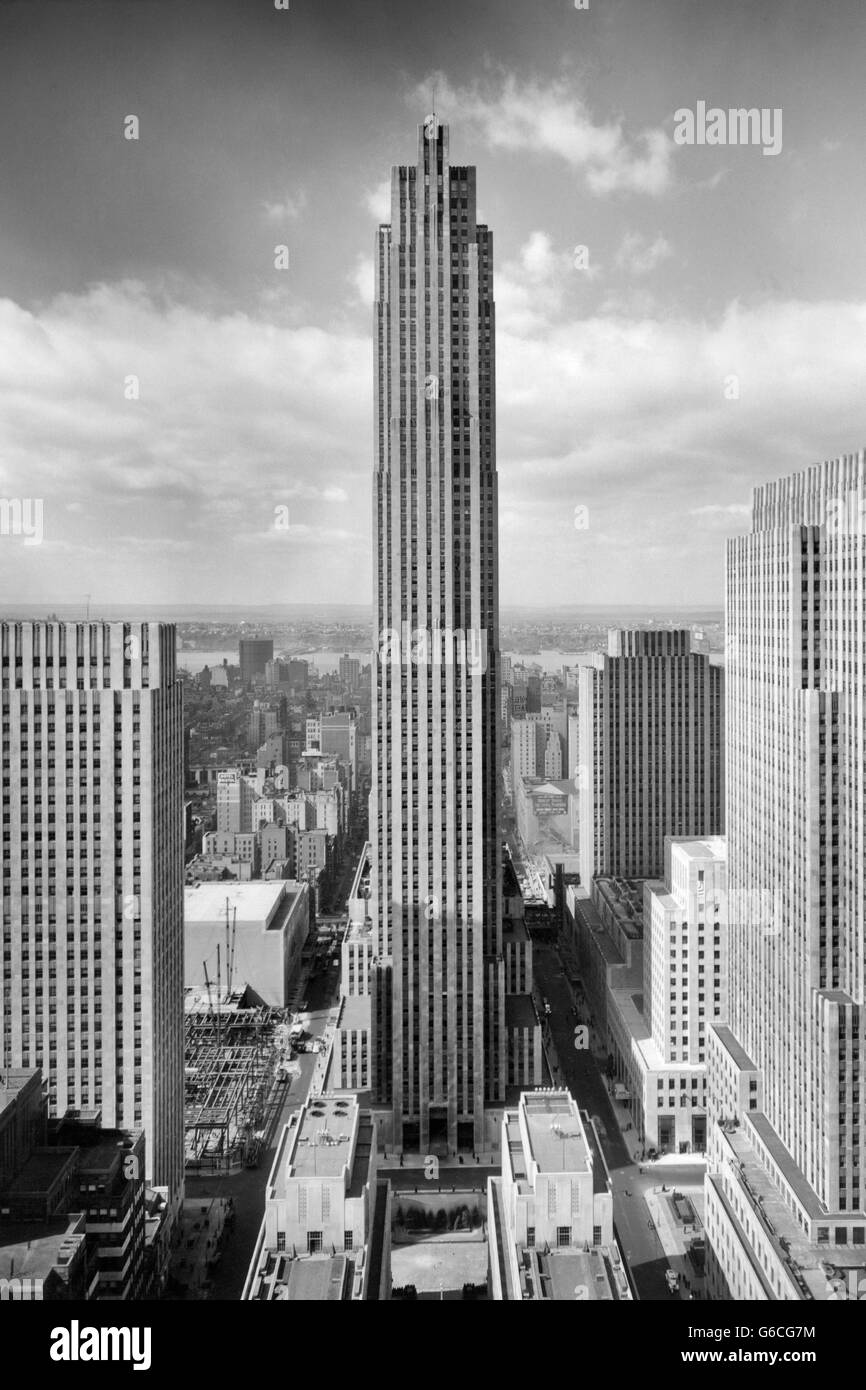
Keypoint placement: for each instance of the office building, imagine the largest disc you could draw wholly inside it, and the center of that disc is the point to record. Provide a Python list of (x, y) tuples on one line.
[(350, 671), (650, 751), (254, 653), (434, 818), (785, 1199), (91, 893)]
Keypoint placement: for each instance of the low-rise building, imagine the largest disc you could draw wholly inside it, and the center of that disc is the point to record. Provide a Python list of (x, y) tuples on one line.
[(326, 1232), (550, 1214), (270, 922)]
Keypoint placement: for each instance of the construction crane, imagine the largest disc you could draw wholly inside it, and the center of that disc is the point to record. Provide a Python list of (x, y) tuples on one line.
[(231, 936)]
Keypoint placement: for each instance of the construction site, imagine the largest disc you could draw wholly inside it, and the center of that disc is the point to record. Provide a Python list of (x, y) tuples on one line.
[(237, 1051)]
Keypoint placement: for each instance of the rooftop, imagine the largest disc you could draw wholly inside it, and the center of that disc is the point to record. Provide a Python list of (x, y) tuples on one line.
[(255, 903), (708, 847), (30, 1250), (355, 1012), (556, 1136), (811, 1265), (41, 1171), (14, 1080), (572, 1275), (322, 1140)]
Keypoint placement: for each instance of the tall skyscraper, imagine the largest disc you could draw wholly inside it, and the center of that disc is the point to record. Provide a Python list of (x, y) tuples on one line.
[(650, 751), (786, 1206), (91, 893), (254, 653), (434, 818)]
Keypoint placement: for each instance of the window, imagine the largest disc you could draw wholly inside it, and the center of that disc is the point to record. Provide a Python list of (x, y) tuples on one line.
[(530, 1237), (314, 1242), (596, 1235), (347, 1240), (281, 1240), (563, 1235)]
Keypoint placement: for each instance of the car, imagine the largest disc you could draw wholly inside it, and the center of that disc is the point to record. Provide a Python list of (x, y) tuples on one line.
[(672, 1279)]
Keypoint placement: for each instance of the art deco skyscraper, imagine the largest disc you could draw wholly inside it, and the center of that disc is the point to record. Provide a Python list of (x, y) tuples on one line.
[(650, 751), (435, 878), (91, 887), (786, 1207)]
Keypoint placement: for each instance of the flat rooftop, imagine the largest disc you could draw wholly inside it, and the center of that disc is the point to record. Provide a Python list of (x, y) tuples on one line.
[(317, 1279), (557, 1140), (13, 1081), (706, 847), (41, 1171), (255, 903), (575, 1275), (355, 1013), (31, 1250), (738, 1054), (624, 898), (808, 1260), (322, 1143)]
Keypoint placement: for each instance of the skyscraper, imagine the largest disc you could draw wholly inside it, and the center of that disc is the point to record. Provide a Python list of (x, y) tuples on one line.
[(786, 1215), (434, 819), (650, 751), (91, 893), (254, 653)]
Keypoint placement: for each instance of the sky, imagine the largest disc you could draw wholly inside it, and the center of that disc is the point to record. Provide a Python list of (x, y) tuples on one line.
[(197, 423)]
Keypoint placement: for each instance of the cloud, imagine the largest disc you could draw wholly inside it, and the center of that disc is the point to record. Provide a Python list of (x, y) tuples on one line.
[(377, 201), (363, 279), (552, 119), (623, 412), (533, 290), (287, 209), (717, 509), (639, 256), (235, 414), (629, 416)]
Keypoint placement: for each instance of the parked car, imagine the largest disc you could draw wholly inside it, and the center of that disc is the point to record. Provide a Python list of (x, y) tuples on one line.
[(673, 1280)]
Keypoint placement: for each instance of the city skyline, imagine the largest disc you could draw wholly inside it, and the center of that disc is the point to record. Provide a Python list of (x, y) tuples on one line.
[(503, 938), (704, 263)]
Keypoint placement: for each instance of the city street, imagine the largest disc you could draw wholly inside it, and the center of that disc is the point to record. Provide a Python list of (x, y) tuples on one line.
[(583, 1074)]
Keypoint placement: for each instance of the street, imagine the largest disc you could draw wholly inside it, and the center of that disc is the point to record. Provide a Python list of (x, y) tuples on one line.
[(583, 1074)]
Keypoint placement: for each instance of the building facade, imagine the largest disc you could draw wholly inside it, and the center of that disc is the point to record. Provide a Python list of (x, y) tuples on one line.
[(434, 819), (91, 893), (650, 751), (254, 653), (786, 1205)]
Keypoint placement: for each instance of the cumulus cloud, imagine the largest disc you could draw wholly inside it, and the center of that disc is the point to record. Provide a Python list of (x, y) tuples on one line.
[(363, 279), (552, 118), (287, 208), (626, 414), (377, 201), (234, 414), (638, 255), (534, 290)]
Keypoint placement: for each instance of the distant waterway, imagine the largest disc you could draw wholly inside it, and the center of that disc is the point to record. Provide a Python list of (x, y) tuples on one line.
[(327, 660)]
